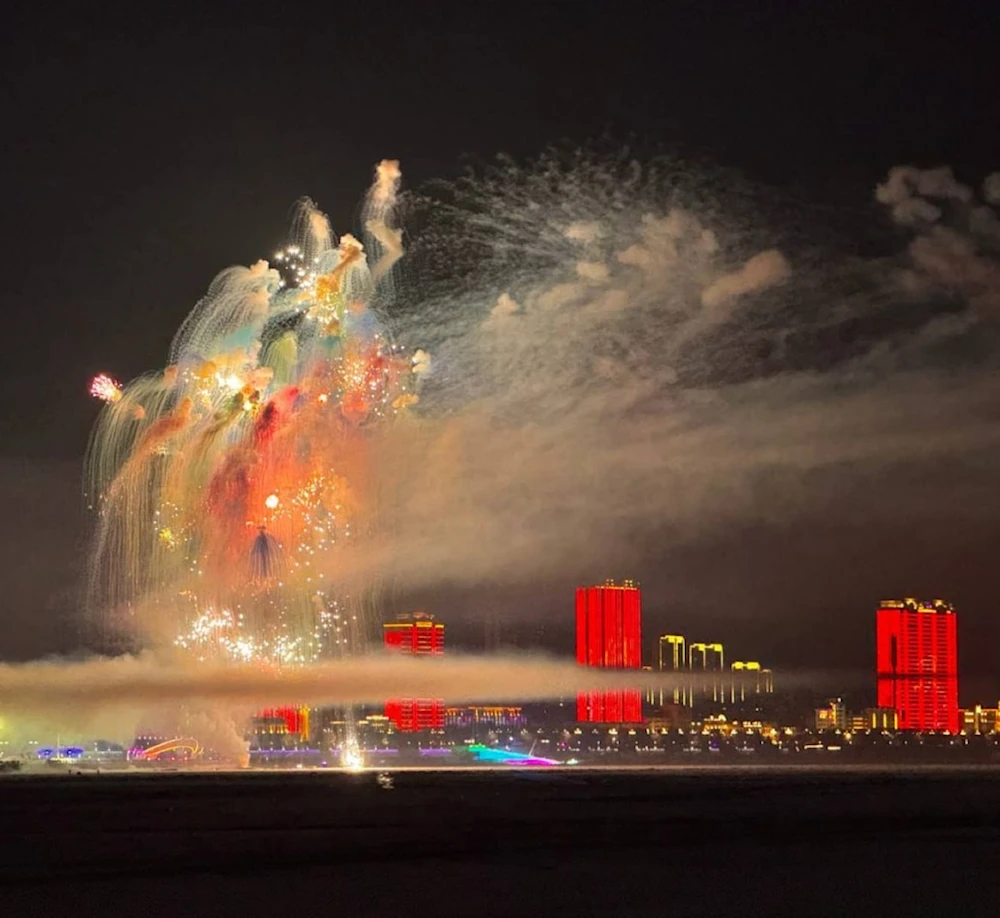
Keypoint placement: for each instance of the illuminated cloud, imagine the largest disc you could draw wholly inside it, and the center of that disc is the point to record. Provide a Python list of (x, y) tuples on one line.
[(595, 418), (957, 237), (907, 189), (767, 269)]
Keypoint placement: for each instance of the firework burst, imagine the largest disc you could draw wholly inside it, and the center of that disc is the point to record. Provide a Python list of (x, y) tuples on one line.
[(228, 488)]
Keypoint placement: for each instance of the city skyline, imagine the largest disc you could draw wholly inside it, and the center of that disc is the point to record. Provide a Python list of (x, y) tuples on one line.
[(916, 676)]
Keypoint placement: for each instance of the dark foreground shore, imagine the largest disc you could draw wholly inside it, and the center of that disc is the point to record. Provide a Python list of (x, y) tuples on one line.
[(806, 842)]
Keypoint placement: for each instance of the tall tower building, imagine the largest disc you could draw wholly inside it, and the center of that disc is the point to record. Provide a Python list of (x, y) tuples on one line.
[(746, 680), (418, 634), (672, 658), (917, 663), (608, 635), (707, 663)]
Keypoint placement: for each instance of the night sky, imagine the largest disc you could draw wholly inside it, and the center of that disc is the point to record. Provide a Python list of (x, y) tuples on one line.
[(142, 156)]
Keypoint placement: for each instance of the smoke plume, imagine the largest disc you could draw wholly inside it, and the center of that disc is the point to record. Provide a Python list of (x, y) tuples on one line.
[(625, 358), (111, 695)]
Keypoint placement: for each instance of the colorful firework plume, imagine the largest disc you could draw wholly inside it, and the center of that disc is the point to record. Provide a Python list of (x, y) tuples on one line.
[(228, 486)]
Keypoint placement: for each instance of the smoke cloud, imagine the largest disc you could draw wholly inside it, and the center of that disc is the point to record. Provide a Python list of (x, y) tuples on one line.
[(958, 237), (623, 360), (619, 360), (111, 695), (760, 272)]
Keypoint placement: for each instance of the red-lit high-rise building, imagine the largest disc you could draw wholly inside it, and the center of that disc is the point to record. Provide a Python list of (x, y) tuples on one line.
[(296, 720), (608, 636), (917, 663), (415, 634)]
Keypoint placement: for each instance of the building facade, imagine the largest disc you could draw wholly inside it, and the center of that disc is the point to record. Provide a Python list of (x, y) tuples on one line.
[(506, 717), (980, 721), (707, 664), (832, 717), (672, 658), (917, 663), (418, 634), (608, 636), (288, 721), (747, 680)]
